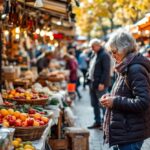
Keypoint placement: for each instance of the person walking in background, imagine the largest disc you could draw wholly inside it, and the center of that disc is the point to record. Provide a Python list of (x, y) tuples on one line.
[(99, 78), (127, 119), (83, 65), (72, 66), (44, 60)]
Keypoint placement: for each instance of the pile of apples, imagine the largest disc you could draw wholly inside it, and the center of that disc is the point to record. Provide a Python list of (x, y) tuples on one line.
[(20, 93), (12, 118)]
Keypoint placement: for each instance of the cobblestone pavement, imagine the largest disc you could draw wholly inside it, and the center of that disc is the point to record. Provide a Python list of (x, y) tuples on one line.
[(84, 112)]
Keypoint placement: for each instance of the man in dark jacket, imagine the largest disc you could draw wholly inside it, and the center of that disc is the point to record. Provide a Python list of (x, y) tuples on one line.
[(127, 119), (99, 77)]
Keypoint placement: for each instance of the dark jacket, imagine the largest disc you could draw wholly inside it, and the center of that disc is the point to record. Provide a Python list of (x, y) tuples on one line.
[(102, 69), (130, 115), (42, 63)]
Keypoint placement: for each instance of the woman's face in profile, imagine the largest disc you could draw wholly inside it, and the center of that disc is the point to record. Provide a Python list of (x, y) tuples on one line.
[(117, 56)]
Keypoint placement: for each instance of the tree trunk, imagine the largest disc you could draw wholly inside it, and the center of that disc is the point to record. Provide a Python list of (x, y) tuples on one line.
[(111, 24), (102, 26)]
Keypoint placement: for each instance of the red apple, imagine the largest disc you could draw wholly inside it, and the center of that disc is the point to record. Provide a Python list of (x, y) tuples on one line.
[(20, 90), (1, 116), (18, 123), (12, 122), (31, 111), (42, 112), (41, 123), (8, 117), (30, 121)]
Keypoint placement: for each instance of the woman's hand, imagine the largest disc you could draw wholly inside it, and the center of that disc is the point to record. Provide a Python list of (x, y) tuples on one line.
[(107, 100)]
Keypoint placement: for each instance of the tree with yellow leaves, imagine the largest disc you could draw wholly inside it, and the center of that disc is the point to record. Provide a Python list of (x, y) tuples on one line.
[(103, 13)]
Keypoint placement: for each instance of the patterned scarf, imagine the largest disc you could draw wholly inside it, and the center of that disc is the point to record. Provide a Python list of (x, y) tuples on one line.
[(126, 61), (119, 68)]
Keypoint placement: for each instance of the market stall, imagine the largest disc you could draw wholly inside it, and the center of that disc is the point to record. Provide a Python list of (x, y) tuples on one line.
[(140, 30), (32, 112)]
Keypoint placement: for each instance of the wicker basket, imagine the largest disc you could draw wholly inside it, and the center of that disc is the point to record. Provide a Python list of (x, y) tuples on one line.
[(7, 106), (29, 133), (9, 76), (41, 101)]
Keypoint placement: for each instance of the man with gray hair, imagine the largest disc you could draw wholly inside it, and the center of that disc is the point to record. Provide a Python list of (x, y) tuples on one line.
[(99, 79)]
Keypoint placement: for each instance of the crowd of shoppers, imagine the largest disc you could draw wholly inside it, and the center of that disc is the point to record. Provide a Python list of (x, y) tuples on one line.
[(122, 111)]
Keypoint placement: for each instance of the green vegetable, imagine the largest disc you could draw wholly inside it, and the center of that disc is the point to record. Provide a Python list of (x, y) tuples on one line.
[(54, 101)]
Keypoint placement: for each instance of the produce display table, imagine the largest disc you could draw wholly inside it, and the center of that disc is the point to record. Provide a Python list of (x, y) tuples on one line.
[(40, 144)]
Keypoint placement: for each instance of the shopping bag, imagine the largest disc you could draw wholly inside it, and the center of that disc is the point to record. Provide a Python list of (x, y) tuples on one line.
[(71, 87)]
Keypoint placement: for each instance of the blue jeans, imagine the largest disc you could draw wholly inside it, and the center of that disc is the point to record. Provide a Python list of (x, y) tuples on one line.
[(131, 146), (95, 96)]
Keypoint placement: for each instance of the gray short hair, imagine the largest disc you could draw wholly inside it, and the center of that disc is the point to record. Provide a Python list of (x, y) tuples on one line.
[(122, 42), (95, 42)]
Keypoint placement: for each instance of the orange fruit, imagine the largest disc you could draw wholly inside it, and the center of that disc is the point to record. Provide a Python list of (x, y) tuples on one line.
[(4, 112), (14, 117), (28, 98), (18, 139), (21, 94), (23, 116), (45, 119), (37, 116), (36, 124), (24, 124), (17, 94), (15, 143), (11, 111), (13, 92), (17, 114), (10, 96), (5, 124)]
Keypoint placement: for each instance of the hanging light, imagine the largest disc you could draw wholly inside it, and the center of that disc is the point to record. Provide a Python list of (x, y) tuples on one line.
[(42, 33), (6, 32), (25, 34), (46, 33), (147, 31), (51, 37), (59, 23), (56, 44), (50, 33), (37, 31), (17, 36), (17, 30)]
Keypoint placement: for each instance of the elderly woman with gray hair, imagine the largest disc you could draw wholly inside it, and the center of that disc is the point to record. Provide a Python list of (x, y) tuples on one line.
[(127, 119)]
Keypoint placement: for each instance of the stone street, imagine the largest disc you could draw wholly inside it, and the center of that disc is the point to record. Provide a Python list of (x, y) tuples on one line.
[(85, 117)]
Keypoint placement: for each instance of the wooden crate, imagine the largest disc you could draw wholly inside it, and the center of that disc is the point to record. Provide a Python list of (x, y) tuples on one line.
[(58, 144), (78, 138)]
